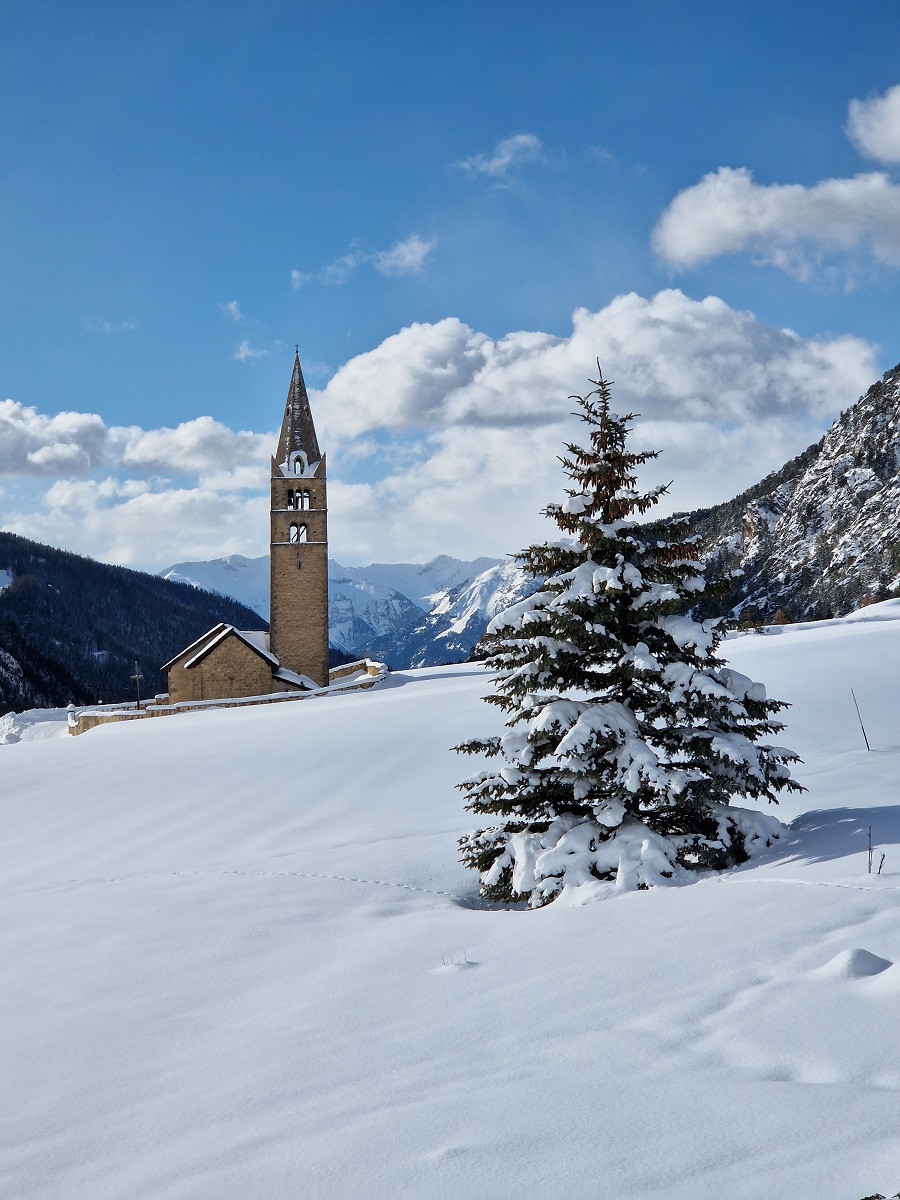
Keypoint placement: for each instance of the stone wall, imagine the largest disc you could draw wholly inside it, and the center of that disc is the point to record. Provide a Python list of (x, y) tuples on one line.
[(230, 669), (369, 674)]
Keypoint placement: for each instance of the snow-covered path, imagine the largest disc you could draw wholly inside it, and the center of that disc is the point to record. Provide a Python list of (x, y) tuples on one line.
[(242, 960)]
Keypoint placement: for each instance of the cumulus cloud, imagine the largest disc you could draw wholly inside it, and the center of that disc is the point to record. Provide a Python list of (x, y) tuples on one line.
[(200, 445), (298, 278), (787, 225), (404, 258), (34, 444), (508, 154), (79, 444), (133, 524), (670, 355), (873, 126), (724, 397), (444, 440), (836, 227)]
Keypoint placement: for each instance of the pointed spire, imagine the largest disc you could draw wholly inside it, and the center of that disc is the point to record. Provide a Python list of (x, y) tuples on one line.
[(297, 429)]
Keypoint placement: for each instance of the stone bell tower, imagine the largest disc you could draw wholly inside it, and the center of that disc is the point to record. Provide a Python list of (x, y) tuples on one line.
[(298, 554)]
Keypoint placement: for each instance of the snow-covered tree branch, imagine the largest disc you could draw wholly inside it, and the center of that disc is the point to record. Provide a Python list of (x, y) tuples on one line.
[(627, 735)]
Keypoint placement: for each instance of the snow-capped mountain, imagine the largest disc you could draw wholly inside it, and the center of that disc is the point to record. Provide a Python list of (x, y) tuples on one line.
[(378, 604), (422, 583), (360, 611), (457, 620), (245, 579), (820, 535)]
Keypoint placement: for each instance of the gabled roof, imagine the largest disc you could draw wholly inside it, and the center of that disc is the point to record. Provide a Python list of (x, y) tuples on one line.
[(195, 645), (255, 639), (297, 429)]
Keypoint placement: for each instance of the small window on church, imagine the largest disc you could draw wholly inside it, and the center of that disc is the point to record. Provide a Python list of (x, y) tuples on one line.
[(290, 502), (306, 498), (301, 534), (295, 533)]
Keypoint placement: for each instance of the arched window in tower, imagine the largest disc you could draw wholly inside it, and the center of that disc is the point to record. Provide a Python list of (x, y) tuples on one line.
[(306, 503), (299, 462), (303, 498), (290, 498), (298, 533)]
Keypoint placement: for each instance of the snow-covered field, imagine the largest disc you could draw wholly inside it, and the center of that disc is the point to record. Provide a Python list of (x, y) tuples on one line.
[(240, 960)]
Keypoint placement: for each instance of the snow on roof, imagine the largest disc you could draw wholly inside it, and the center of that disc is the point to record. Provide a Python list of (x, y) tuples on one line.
[(302, 681), (204, 650), (194, 645), (256, 640)]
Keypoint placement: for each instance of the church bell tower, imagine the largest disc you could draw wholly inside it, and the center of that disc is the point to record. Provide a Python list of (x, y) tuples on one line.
[(298, 554)]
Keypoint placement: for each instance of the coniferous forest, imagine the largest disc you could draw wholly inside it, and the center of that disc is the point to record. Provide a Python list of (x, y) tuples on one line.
[(71, 629)]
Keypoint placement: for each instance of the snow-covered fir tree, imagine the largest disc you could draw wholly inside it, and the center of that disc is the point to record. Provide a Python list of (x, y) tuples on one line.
[(627, 737)]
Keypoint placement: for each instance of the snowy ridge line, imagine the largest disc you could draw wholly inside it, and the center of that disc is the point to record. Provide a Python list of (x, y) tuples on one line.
[(857, 887), (409, 887)]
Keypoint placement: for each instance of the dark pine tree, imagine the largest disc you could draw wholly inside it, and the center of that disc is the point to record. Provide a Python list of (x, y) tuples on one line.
[(627, 737)]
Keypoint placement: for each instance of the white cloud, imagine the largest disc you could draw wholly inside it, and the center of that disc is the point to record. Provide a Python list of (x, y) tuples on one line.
[(873, 126), (340, 270), (134, 525), (725, 398), (787, 225), (244, 352), (196, 446), (509, 153), (671, 356), (78, 444), (404, 258), (34, 444), (444, 440), (232, 310)]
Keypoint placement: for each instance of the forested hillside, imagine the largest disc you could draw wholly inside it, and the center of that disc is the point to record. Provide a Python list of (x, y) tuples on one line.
[(71, 629)]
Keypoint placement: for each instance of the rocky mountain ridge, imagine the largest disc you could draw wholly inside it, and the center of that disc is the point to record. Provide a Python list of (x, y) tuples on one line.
[(819, 536)]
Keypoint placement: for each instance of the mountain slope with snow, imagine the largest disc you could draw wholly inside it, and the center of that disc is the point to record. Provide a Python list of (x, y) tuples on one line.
[(819, 534), (371, 610), (457, 620), (219, 988)]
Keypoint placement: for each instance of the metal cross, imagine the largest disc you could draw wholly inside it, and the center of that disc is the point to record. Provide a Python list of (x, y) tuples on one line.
[(137, 677)]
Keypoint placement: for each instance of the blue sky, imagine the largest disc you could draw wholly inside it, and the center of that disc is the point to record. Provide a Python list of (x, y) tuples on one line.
[(422, 196)]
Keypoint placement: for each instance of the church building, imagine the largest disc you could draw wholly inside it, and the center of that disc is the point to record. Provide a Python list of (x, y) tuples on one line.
[(293, 656)]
